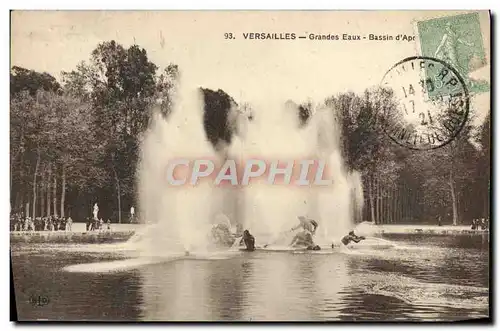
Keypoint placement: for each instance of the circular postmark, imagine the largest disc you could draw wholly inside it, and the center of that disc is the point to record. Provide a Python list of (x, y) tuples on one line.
[(431, 103)]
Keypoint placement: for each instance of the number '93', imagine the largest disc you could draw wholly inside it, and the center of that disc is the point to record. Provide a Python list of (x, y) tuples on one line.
[(228, 35)]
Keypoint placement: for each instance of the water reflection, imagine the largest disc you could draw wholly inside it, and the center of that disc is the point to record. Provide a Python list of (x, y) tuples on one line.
[(332, 280), (412, 282), (225, 284), (269, 291), (267, 288), (175, 292)]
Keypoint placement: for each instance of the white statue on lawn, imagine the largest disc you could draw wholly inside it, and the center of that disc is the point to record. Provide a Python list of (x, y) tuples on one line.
[(96, 211)]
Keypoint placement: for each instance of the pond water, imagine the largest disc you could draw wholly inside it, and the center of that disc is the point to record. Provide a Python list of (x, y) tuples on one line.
[(422, 278)]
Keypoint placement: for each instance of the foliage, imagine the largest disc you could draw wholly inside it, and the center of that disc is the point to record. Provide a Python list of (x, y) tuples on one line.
[(86, 131), (218, 104), (22, 79)]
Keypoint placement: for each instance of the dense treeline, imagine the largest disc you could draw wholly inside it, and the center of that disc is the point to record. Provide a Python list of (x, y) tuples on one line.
[(406, 186), (75, 142)]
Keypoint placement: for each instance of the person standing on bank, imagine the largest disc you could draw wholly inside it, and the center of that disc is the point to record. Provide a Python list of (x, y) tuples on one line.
[(69, 224), (132, 213)]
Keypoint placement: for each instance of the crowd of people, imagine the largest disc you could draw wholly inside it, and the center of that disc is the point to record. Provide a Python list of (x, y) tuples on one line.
[(480, 224), (221, 234), (19, 222), (94, 224)]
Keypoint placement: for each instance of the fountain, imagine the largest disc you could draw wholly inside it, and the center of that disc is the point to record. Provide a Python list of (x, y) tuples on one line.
[(178, 214), (179, 218), (182, 215), (271, 210)]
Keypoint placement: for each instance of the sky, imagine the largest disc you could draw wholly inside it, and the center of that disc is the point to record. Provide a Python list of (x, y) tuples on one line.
[(300, 69)]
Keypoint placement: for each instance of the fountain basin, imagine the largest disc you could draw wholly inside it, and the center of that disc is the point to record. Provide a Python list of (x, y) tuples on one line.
[(60, 237)]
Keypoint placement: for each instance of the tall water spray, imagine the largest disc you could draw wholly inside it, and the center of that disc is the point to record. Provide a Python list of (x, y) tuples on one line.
[(274, 134), (339, 203), (179, 215)]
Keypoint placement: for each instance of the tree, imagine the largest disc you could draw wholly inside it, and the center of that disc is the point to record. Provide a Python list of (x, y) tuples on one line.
[(75, 143), (165, 87), (484, 163), (22, 79), (27, 124), (365, 147), (217, 107), (123, 89), (50, 144)]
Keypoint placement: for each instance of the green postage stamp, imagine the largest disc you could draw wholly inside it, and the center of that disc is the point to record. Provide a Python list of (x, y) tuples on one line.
[(456, 40)]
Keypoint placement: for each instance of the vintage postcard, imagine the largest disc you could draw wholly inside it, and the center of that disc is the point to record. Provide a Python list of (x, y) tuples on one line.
[(250, 165)]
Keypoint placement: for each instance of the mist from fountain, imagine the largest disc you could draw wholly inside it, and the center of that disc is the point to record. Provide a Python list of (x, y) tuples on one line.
[(339, 203), (272, 135), (271, 210), (180, 218), (178, 214)]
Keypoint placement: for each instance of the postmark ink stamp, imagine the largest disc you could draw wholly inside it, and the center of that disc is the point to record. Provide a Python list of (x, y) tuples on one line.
[(432, 103)]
